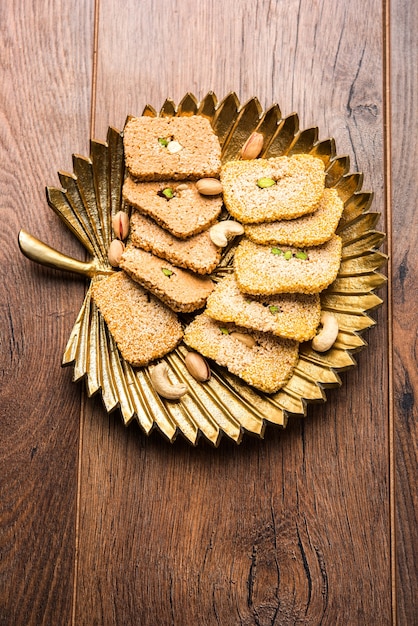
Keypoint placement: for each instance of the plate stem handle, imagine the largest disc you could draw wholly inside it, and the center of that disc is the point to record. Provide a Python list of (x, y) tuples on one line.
[(41, 253)]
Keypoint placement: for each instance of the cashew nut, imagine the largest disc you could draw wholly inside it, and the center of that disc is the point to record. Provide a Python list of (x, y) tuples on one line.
[(162, 384), (328, 333), (220, 232)]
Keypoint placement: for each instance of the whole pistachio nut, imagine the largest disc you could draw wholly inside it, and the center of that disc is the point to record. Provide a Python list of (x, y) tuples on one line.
[(115, 252), (253, 146), (120, 225)]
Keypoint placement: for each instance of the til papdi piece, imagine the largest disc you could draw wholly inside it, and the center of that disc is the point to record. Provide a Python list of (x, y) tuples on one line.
[(291, 315), (265, 190), (263, 361), (197, 253), (269, 270), (308, 230)]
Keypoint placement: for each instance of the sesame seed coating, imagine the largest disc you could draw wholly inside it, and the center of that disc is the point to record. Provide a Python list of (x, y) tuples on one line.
[(267, 365), (258, 270), (295, 316), (298, 185), (308, 230)]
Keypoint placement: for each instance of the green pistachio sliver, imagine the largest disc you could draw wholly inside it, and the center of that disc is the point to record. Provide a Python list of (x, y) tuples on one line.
[(224, 331), (168, 193), (265, 182), (166, 271), (276, 251), (301, 255), (288, 255), (163, 141), (273, 308)]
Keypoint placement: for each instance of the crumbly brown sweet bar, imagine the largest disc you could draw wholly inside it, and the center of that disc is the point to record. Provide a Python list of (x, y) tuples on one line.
[(291, 315), (179, 208), (181, 290), (142, 326), (269, 270), (197, 253), (309, 230), (174, 148)]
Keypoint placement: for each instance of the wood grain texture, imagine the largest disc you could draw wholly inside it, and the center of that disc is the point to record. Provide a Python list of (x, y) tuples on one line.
[(275, 531), (102, 525), (46, 81), (404, 100)]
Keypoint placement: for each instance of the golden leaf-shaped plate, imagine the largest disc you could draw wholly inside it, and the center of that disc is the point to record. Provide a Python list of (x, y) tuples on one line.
[(224, 405)]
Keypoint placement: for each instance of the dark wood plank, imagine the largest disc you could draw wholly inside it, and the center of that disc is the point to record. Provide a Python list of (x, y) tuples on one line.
[(295, 528), (46, 79), (404, 60)]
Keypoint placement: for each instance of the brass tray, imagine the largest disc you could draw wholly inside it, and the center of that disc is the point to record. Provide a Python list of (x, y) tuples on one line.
[(224, 405)]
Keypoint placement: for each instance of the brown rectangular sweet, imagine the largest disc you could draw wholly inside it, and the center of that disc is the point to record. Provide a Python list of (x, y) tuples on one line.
[(267, 365), (180, 289), (197, 253), (194, 153), (185, 214), (142, 326)]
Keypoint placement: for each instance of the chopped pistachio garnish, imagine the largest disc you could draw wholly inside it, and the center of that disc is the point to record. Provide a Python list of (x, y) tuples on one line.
[(224, 331), (301, 255), (168, 193), (288, 255), (276, 251), (265, 182), (167, 272), (163, 141), (273, 308)]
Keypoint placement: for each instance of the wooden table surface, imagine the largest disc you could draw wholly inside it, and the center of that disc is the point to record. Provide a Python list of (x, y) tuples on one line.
[(102, 525)]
